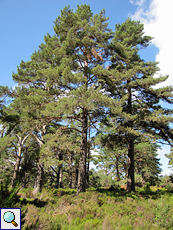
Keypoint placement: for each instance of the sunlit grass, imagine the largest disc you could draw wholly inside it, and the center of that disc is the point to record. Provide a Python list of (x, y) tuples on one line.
[(103, 208)]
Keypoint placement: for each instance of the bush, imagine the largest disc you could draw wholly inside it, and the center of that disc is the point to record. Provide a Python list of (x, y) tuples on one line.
[(147, 187)]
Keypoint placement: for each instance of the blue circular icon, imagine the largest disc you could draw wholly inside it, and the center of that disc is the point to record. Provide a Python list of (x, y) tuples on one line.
[(9, 216)]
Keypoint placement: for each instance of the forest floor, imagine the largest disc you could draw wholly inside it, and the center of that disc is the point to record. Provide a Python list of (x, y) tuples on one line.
[(104, 208)]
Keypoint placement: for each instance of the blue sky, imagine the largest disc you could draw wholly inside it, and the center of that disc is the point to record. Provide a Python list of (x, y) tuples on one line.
[(23, 24)]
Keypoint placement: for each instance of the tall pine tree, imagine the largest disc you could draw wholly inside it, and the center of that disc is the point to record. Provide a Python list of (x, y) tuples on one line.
[(62, 77), (132, 82)]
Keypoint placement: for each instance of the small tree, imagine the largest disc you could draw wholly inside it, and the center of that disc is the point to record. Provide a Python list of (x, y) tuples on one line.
[(146, 162)]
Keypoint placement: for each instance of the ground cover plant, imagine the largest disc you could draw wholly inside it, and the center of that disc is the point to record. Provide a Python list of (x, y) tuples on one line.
[(97, 208)]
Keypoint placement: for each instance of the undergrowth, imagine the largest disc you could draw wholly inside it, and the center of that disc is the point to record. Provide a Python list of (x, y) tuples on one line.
[(103, 208)]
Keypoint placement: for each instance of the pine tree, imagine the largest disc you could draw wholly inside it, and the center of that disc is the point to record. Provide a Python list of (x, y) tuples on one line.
[(21, 116), (17, 132), (62, 77), (112, 154), (66, 88), (146, 162), (84, 41), (132, 82)]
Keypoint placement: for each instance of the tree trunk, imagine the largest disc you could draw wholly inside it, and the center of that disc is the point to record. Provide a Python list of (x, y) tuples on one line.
[(16, 169), (39, 179), (125, 168), (130, 176), (87, 170), (82, 162), (117, 169), (18, 156), (77, 172), (40, 173), (24, 177), (70, 170), (60, 171), (57, 180), (88, 162)]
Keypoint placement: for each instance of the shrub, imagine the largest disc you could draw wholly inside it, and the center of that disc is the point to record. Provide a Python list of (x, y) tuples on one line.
[(147, 187)]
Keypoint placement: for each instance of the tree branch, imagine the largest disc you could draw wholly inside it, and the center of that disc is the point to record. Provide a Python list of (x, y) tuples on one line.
[(25, 138), (38, 140), (71, 129), (53, 169)]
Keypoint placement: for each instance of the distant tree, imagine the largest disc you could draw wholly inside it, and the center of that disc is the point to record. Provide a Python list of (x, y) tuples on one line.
[(146, 162), (112, 155), (28, 166)]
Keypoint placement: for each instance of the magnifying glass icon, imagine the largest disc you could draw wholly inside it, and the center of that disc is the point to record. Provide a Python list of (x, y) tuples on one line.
[(9, 217)]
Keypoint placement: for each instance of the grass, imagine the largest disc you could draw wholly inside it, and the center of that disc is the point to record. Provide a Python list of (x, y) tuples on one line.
[(103, 208)]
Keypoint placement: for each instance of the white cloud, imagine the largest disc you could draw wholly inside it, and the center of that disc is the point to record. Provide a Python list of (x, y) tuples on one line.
[(157, 17), (94, 152), (164, 160), (93, 166), (137, 2), (14, 86), (166, 173)]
